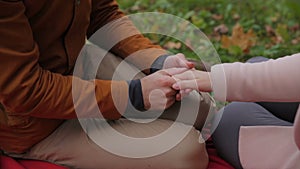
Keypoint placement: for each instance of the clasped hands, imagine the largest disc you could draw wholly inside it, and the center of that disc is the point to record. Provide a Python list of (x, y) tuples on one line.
[(175, 81)]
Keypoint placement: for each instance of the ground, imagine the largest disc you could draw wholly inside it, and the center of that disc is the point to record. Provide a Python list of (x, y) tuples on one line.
[(238, 29)]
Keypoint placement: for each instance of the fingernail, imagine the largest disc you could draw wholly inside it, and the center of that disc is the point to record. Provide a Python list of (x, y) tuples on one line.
[(191, 65)]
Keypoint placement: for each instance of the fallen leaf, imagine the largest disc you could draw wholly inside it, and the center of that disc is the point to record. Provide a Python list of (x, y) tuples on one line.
[(135, 8), (277, 39), (217, 17), (294, 28), (279, 35), (221, 29), (270, 31), (274, 19), (172, 45), (243, 40), (236, 17), (295, 41)]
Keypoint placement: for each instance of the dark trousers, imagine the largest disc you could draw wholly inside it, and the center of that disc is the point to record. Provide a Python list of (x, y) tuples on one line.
[(237, 114)]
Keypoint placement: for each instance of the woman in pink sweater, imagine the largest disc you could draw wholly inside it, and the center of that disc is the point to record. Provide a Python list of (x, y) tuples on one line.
[(254, 135)]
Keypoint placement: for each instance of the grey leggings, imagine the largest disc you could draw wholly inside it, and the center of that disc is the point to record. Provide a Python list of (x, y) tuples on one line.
[(239, 114)]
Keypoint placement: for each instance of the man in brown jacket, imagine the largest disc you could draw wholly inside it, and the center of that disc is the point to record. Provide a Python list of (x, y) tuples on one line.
[(39, 45)]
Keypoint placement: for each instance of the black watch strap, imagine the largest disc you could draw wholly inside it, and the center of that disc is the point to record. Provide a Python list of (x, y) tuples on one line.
[(158, 63)]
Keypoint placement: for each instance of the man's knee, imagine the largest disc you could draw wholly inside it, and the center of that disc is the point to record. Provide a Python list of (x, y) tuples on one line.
[(189, 153)]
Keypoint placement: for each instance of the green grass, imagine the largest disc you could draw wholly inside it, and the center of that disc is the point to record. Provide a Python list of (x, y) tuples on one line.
[(281, 15)]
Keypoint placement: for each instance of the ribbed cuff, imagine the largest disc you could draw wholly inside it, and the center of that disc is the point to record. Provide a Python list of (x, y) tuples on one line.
[(218, 80), (158, 63), (136, 94)]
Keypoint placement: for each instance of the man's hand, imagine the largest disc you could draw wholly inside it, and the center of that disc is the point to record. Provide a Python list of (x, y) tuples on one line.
[(157, 90), (177, 61)]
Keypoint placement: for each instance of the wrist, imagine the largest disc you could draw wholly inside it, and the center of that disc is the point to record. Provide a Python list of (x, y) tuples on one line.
[(136, 94), (158, 63)]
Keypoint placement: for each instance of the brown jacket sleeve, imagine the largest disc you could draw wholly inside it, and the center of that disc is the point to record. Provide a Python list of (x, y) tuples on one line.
[(107, 11), (27, 89)]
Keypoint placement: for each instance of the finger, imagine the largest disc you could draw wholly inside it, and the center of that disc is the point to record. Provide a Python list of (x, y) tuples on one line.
[(176, 79), (185, 84), (167, 82), (186, 64), (181, 95), (174, 71), (184, 93), (183, 62), (188, 91), (178, 97), (187, 75), (170, 102), (190, 65), (170, 92), (180, 55)]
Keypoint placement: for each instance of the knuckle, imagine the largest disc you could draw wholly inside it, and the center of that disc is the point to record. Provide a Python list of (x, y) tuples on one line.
[(165, 81), (160, 80)]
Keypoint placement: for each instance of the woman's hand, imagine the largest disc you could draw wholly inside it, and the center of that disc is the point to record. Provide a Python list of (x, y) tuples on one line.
[(192, 79)]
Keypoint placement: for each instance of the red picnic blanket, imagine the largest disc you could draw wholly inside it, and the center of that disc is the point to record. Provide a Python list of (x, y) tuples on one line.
[(215, 162)]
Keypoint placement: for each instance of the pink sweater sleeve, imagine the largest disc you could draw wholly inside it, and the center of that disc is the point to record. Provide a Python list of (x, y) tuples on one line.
[(274, 80)]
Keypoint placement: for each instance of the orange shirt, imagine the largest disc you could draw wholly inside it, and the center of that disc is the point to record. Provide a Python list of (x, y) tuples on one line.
[(40, 42)]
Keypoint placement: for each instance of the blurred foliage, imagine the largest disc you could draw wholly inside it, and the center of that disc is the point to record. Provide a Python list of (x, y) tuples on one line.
[(275, 24)]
